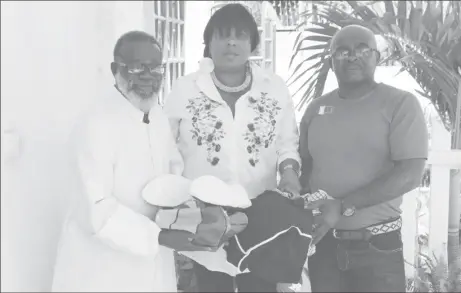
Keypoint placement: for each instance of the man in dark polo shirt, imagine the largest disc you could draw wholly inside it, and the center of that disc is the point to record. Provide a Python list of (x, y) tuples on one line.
[(365, 144)]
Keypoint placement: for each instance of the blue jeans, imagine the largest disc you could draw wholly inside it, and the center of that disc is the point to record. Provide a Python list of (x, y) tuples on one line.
[(376, 265)]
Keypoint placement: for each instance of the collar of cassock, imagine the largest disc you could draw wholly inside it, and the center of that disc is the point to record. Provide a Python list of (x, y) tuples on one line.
[(137, 114)]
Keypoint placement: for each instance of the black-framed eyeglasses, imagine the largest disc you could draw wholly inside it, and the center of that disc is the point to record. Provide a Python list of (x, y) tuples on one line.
[(140, 68), (360, 52)]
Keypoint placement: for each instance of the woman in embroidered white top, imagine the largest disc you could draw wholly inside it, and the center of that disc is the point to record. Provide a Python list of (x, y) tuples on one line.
[(235, 121)]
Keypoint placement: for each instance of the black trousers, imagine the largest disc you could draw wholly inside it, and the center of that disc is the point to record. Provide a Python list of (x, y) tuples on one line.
[(210, 281), (376, 265)]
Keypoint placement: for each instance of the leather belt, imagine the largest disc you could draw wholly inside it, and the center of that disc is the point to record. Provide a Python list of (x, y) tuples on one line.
[(368, 232), (361, 234)]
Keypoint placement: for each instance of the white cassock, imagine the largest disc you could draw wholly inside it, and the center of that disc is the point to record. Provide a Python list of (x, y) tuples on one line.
[(108, 244)]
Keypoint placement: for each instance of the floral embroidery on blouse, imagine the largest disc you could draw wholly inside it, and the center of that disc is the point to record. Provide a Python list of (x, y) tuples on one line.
[(207, 127), (260, 131)]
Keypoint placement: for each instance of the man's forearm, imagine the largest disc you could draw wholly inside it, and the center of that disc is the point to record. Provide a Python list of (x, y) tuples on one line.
[(288, 162), (404, 177)]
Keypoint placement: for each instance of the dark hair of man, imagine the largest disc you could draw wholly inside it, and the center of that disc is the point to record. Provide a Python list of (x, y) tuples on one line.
[(134, 36), (230, 16)]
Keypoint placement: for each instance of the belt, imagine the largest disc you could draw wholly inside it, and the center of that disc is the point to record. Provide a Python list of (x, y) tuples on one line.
[(363, 234), (368, 232)]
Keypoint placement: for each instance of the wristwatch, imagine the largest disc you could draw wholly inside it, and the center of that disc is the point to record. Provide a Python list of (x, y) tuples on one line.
[(347, 210)]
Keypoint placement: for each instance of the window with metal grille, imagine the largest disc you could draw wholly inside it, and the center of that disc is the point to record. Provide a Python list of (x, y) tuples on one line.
[(169, 30)]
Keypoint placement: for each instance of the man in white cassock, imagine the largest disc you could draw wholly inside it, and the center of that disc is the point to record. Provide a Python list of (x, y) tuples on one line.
[(110, 242)]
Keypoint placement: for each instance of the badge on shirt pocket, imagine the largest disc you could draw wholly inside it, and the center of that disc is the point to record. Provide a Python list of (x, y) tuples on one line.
[(325, 110)]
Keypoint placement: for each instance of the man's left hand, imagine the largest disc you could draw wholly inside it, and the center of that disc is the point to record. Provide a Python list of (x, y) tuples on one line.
[(290, 183), (330, 214)]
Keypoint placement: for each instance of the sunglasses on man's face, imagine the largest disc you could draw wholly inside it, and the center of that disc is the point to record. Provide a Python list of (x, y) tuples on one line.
[(360, 52), (140, 68)]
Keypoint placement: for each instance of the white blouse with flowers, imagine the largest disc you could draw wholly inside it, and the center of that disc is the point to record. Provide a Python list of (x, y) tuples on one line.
[(245, 149)]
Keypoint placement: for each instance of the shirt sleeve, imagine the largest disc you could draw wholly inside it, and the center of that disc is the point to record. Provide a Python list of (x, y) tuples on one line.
[(173, 109), (288, 135), (306, 158), (408, 137), (176, 160), (109, 220)]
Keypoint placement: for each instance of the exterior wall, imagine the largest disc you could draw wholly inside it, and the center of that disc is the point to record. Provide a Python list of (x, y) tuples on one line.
[(197, 15), (57, 58), (55, 62)]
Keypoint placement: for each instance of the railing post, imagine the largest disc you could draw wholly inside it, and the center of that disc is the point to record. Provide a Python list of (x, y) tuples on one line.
[(410, 215), (440, 192)]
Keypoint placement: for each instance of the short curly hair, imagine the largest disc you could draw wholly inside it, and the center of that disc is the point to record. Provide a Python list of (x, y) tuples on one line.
[(134, 36)]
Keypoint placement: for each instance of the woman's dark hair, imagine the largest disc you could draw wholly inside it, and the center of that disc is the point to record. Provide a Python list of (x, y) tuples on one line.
[(230, 16)]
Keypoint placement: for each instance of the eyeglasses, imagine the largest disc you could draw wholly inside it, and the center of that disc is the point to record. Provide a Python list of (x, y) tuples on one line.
[(139, 68), (360, 52)]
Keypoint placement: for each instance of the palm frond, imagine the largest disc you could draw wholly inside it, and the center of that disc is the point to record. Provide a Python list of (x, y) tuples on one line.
[(424, 36), (434, 274)]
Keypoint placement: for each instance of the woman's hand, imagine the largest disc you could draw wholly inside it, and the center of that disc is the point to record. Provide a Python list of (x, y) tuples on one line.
[(290, 183)]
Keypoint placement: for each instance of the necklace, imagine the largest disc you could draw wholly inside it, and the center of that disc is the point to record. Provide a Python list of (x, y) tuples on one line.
[(229, 89)]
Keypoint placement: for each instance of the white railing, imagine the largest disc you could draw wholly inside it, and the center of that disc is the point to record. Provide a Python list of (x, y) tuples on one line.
[(426, 210)]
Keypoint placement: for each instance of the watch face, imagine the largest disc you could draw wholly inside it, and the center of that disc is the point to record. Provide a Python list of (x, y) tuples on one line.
[(349, 212)]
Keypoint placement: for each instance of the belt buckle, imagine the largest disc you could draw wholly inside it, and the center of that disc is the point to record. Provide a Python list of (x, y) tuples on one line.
[(365, 235), (335, 234)]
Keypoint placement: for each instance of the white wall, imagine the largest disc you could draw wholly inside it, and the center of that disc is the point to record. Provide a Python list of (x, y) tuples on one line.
[(197, 16), (55, 62)]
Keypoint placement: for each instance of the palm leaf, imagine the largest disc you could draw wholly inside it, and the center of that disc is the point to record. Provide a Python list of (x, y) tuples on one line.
[(415, 19), (389, 6), (318, 38), (299, 43), (310, 87), (298, 67), (402, 14), (402, 69), (314, 47), (422, 37), (300, 75), (321, 79), (362, 11), (326, 31)]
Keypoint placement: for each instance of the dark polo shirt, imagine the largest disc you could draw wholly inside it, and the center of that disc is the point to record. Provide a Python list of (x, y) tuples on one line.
[(352, 142)]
